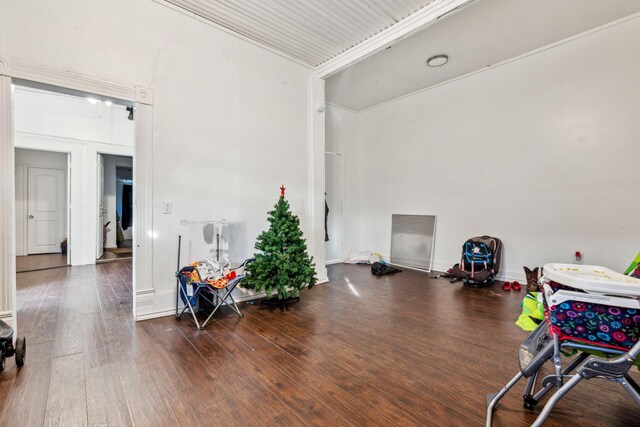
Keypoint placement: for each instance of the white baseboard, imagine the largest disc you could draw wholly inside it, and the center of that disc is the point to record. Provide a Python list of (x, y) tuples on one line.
[(145, 299), (335, 261), (7, 316), (156, 314)]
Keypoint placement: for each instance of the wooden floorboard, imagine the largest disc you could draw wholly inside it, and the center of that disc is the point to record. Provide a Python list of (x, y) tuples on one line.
[(40, 262), (359, 350)]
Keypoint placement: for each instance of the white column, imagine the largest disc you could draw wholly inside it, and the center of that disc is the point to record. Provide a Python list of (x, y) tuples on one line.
[(316, 175), (7, 200), (143, 232)]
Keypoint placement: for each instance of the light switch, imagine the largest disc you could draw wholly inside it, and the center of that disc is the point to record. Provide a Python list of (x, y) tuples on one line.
[(167, 207)]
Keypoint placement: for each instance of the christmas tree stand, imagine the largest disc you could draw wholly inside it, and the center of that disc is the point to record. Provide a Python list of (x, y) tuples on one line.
[(277, 302)]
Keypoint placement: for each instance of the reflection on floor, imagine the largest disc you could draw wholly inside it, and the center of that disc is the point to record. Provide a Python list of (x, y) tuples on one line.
[(360, 350), (109, 256), (124, 252), (40, 262)]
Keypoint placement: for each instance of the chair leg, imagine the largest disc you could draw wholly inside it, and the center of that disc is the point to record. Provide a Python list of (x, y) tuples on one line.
[(234, 306), (555, 398), (495, 399), (631, 387), (191, 310)]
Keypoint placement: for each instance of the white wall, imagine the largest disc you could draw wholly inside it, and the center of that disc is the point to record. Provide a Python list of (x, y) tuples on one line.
[(23, 160), (341, 133), (541, 152), (230, 118), (69, 124)]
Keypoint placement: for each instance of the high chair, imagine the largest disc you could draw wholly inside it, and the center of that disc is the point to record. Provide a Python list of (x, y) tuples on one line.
[(591, 310)]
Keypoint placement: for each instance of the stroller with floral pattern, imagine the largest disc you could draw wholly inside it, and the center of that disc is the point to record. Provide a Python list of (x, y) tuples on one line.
[(591, 311)]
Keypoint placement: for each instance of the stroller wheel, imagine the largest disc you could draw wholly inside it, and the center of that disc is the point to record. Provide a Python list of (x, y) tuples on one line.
[(3, 362), (529, 403), (21, 351)]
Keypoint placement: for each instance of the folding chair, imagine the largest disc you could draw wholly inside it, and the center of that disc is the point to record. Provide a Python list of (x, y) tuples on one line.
[(191, 289)]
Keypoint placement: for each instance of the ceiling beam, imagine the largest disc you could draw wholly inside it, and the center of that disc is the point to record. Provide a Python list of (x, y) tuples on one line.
[(424, 17)]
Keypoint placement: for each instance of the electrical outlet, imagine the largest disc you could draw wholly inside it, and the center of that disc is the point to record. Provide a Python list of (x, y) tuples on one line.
[(167, 207), (577, 257)]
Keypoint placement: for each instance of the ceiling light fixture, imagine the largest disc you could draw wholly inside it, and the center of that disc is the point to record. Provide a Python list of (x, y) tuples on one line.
[(437, 60)]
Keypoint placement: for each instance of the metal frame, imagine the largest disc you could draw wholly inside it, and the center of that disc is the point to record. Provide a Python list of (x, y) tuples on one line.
[(219, 296), (586, 367)]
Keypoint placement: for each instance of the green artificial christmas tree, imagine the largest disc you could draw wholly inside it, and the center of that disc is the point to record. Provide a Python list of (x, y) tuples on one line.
[(282, 265)]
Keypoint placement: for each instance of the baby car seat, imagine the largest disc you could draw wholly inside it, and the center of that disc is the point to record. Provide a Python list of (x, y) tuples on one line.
[(480, 261)]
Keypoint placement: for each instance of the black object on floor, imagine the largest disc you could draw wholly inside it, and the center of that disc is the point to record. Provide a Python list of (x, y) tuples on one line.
[(7, 348), (380, 269), (127, 206), (277, 302)]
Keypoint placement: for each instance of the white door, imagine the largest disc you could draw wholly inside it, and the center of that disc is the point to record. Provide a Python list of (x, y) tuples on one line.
[(45, 210), (334, 189), (101, 211)]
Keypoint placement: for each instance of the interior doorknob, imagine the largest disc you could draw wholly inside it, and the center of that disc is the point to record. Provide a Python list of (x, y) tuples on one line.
[(31, 216)]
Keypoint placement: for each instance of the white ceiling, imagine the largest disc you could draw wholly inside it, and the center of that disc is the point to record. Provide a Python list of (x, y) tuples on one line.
[(485, 33), (311, 31)]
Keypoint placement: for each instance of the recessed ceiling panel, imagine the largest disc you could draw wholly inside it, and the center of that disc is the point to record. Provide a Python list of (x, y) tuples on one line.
[(485, 33)]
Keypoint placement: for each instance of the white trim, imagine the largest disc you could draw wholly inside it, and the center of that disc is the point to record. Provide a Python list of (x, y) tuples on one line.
[(155, 314), (143, 155), (340, 107), (316, 153), (335, 261), (238, 299), (61, 144), (143, 300), (70, 80), (424, 17), (7, 197), (143, 232), (506, 61)]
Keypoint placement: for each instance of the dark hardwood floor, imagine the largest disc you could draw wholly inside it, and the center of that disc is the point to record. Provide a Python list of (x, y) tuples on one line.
[(40, 262), (361, 350)]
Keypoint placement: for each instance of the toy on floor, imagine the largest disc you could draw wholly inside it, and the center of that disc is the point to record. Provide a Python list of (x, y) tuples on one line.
[(532, 304), (591, 311), (8, 349), (634, 268)]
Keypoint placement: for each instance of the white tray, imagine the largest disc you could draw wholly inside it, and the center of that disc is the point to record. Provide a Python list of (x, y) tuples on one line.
[(593, 279)]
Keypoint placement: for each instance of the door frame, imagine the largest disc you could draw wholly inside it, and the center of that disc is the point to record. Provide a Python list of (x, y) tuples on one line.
[(342, 185), (100, 207), (25, 231), (143, 291)]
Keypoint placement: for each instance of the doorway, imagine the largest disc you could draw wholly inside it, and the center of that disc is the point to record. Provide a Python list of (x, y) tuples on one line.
[(60, 203), (139, 101), (334, 201), (41, 209), (115, 208)]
